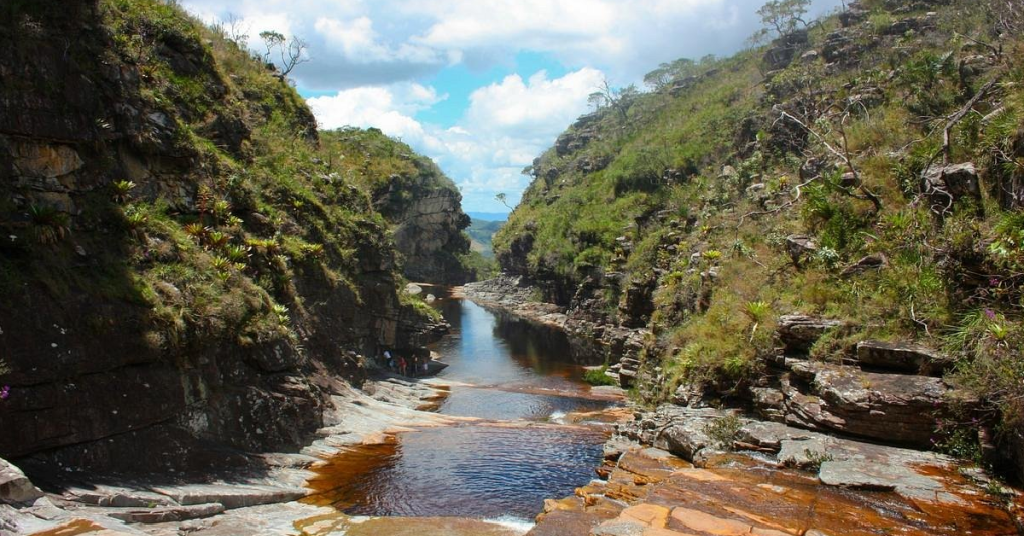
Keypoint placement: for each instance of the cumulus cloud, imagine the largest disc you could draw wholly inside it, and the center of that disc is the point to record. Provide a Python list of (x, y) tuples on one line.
[(357, 43), (373, 56), (506, 126)]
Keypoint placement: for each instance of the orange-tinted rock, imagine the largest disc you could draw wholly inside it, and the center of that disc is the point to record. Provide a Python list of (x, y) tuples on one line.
[(647, 514), (698, 521), (565, 523)]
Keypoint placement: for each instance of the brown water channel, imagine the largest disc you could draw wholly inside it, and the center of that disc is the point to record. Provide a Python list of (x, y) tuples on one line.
[(518, 378)]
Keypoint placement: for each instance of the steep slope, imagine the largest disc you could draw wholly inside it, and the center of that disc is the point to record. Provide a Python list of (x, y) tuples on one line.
[(184, 262), (423, 206), (866, 170)]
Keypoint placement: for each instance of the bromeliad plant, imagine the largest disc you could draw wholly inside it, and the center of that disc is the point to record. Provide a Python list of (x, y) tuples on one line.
[(122, 191), (51, 225), (757, 312)]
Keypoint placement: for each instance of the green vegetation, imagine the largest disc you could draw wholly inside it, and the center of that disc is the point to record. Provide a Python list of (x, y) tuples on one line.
[(255, 215), (481, 232), (724, 430), (598, 377), (692, 189)]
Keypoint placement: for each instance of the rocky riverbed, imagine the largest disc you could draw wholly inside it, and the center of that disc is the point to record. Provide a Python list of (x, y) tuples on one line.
[(264, 500), (816, 449), (821, 449)]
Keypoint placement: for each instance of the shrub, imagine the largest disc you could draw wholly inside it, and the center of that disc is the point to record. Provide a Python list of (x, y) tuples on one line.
[(598, 377), (724, 430)]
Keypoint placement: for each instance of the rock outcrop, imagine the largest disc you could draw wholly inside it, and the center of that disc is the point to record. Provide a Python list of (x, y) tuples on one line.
[(428, 229), (757, 489)]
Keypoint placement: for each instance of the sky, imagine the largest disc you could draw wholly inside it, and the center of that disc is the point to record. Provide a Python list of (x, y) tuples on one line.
[(482, 86)]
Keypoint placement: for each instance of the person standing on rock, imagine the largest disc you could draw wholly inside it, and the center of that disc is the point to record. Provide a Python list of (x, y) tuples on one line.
[(401, 365), (388, 362)]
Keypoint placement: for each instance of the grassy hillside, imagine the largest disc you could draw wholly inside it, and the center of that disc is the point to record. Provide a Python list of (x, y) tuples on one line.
[(261, 197), (795, 178)]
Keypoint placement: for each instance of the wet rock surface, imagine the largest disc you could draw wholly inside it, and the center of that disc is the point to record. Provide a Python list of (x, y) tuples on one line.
[(257, 500), (849, 487)]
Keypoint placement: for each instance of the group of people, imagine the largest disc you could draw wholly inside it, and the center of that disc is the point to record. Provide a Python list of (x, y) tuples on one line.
[(413, 366)]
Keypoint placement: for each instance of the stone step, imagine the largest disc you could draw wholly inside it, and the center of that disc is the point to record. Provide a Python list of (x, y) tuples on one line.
[(229, 495), (111, 496), (902, 357), (165, 514)]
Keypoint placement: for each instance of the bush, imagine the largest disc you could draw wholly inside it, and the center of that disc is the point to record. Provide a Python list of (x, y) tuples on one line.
[(598, 377)]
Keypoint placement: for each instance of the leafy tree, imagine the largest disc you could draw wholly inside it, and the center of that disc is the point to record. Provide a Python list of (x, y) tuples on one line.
[(782, 16)]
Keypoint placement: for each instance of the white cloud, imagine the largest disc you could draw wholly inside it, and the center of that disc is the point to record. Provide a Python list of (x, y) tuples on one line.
[(536, 105), (387, 108), (376, 54), (506, 126), (355, 43)]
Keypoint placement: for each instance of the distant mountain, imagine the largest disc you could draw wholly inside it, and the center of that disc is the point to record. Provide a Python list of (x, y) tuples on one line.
[(488, 216), (481, 231)]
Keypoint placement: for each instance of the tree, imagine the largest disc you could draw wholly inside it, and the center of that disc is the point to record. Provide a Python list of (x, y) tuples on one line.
[(290, 52), (235, 29), (619, 99), (503, 199), (782, 16)]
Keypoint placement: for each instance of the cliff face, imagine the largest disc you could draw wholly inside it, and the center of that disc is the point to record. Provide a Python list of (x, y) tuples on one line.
[(422, 206), (180, 264), (864, 171), (429, 234)]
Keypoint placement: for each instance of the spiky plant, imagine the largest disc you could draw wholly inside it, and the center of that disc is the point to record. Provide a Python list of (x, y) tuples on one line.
[(51, 225), (122, 191)]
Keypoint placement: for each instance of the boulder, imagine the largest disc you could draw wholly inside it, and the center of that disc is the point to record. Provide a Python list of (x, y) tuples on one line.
[(902, 357), (784, 49), (800, 247), (798, 332), (947, 185), (891, 408), (15, 487), (852, 16), (875, 261)]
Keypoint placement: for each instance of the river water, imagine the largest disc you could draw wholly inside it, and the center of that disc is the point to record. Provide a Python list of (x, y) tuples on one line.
[(516, 377)]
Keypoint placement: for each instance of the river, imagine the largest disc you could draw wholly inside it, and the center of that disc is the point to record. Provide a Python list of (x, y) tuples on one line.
[(518, 380)]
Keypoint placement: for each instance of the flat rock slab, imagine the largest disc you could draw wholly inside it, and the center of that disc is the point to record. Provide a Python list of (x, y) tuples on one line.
[(864, 488), (403, 526), (165, 514), (902, 357), (565, 523), (117, 497), (230, 496)]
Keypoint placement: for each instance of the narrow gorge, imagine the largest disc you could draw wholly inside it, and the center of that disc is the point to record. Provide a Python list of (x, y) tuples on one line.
[(774, 293)]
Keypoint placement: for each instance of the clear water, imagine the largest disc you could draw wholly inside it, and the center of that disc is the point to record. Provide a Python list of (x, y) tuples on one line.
[(521, 376)]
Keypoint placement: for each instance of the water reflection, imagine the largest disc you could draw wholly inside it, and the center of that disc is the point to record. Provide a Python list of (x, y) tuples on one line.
[(518, 371), (469, 471)]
